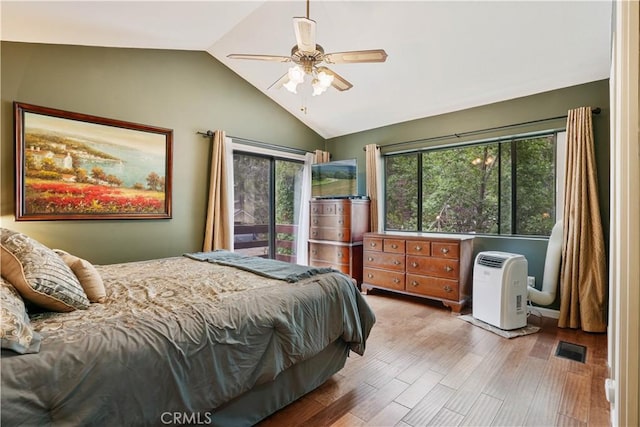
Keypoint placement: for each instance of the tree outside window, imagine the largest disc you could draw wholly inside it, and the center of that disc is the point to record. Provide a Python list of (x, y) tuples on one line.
[(505, 187)]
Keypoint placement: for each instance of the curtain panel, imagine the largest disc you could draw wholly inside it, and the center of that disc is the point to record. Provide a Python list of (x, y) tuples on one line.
[(583, 275), (374, 185), (218, 224), (302, 238), (321, 156)]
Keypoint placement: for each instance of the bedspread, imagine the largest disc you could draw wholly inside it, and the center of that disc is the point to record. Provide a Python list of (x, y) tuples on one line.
[(175, 335)]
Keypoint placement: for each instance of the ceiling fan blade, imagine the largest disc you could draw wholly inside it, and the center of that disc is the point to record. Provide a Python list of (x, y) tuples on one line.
[(354, 56), (274, 58), (338, 82), (278, 83), (305, 30)]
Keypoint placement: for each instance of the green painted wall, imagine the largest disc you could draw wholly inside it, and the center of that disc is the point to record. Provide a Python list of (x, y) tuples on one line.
[(181, 90), (531, 108)]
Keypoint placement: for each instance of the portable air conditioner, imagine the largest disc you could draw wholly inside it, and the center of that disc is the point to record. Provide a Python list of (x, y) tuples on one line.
[(500, 289)]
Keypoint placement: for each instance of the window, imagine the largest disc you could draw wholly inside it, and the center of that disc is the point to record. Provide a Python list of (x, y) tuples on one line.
[(505, 187), (267, 199)]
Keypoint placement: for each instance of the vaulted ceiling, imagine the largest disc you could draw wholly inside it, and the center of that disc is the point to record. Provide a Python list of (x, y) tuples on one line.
[(443, 56)]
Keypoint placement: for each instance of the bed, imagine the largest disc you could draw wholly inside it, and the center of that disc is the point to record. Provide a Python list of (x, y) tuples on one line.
[(184, 340)]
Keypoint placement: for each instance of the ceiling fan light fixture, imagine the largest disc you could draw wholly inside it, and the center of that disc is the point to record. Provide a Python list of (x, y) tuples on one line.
[(321, 82), (291, 86), (318, 88), (325, 79), (296, 74)]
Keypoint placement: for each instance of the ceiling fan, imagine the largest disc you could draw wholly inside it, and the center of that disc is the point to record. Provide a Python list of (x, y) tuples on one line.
[(307, 55)]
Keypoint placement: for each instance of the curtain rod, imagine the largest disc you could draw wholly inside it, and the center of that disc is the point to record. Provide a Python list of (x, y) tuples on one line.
[(596, 110), (209, 134)]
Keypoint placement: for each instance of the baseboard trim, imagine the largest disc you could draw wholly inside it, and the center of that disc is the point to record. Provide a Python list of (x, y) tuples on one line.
[(545, 312)]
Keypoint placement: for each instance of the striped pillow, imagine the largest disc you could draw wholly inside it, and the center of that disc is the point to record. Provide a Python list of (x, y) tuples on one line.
[(39, 274)]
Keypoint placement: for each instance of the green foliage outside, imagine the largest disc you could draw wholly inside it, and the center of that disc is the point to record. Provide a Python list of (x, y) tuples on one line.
[(469, 189), (402, 192), (251, 188)]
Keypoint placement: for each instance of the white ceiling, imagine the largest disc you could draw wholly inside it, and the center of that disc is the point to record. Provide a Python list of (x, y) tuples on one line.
[(443, 56)]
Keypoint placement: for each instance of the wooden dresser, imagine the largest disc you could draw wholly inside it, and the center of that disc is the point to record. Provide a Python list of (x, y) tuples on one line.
[(336, 229), (434, 266)]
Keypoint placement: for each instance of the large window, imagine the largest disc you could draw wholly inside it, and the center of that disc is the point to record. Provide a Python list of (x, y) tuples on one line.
[(267, 192), (504, 187)]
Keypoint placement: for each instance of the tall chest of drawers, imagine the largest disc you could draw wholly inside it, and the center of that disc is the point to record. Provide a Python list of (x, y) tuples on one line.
[(425, 265), (336, 230)]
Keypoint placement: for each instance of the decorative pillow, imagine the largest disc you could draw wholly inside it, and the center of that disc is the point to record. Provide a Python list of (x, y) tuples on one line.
[(89, 278), (38, 273), (15, 328)]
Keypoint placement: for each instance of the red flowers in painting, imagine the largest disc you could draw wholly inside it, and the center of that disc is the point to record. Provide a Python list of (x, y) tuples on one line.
[(69, 198)]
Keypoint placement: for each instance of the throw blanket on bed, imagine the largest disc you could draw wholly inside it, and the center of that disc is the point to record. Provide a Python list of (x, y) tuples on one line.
[(271, 268)]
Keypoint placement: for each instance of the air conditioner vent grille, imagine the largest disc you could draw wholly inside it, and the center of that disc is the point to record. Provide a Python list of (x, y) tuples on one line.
[(491, 261)]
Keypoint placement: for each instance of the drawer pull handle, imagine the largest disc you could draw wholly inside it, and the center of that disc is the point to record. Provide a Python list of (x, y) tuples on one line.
[(444, 250), (315, 252), (340, 221), (315, 233), (448, 289), (418, 248), (339, 234), (370, 258), (339, 254), (370, 276), (414, 283), (414, 264), (396, 280), (394, 246), (448, 269), (396, 262), (315, 222), (373, 244)]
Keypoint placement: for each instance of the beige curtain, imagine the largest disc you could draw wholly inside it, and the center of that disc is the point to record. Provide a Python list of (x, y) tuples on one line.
[(321, 156), (583, 276), (373, 168), (219, 226)]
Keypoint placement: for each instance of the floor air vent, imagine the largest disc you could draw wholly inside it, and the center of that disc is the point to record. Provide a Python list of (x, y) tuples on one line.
[(571, 351)]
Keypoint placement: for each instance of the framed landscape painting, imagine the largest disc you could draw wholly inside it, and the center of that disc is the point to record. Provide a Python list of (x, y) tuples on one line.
[(76, 166)]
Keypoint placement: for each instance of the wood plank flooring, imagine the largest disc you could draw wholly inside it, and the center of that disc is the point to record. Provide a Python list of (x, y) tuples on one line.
[(425, 367)]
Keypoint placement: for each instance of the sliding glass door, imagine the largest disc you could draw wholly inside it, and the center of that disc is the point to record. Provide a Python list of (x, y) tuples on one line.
[(267, 192)]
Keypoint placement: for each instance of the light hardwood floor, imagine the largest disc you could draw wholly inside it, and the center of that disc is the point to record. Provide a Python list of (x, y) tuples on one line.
[(423, 366)]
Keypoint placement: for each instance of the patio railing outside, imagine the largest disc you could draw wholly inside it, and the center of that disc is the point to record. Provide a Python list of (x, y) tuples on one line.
[(252, 240)]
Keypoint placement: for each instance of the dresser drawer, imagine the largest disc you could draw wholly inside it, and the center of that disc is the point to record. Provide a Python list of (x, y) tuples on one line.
[(373, 244), (344, 268), (384, 260), (394, 246), (329, 253), (417, 247), (429, 266), (330, 208), (445, 250), (343, 208), (384, 278), (433, 286), (329, 233), (337, 221)]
